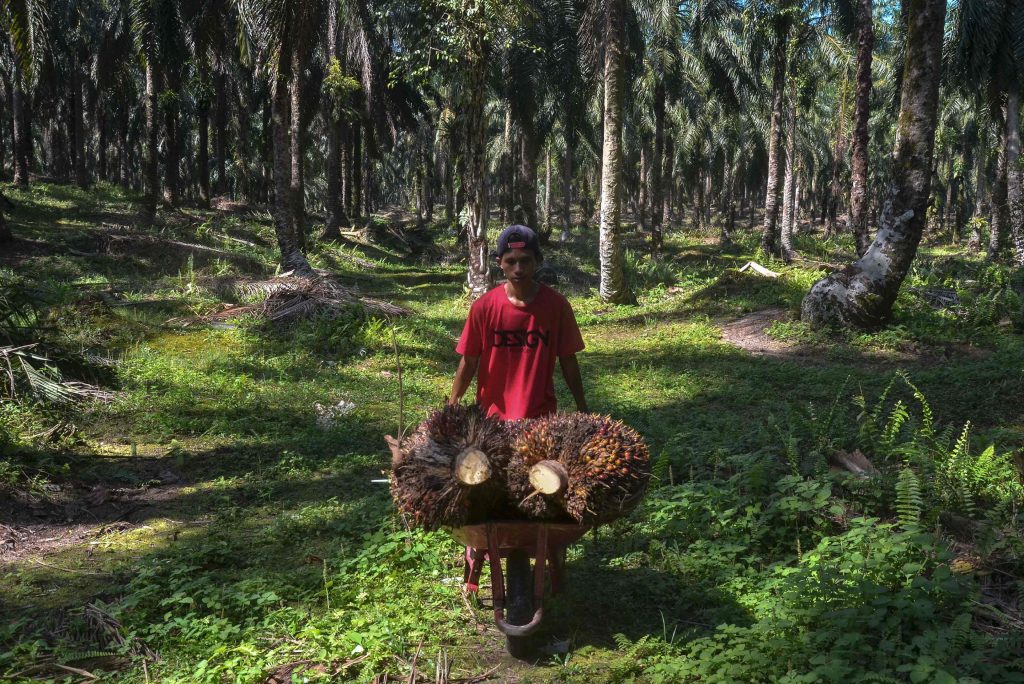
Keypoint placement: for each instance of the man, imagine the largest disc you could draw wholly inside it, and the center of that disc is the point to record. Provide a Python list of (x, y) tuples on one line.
[(513, 335)]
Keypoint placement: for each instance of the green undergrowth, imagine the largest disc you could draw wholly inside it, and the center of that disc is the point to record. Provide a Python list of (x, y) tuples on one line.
[(754, 558)]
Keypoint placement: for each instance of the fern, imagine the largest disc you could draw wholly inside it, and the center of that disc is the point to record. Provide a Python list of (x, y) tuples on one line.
[(956, 476), (659, 469), (897, 418), (909, 503), (77, 656), (927, 426)]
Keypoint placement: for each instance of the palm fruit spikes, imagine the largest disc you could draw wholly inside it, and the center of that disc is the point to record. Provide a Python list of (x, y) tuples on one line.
[(451, 470), (606, 466)]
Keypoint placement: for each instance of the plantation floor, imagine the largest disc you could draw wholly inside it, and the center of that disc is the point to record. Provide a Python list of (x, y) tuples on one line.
[(222, 520)]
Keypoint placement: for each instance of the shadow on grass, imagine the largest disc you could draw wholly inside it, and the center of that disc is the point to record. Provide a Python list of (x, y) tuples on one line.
[(601, 602)]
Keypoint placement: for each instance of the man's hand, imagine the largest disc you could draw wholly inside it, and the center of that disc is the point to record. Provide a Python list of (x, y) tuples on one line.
[(396, 451), (571, 373), (463, 377)]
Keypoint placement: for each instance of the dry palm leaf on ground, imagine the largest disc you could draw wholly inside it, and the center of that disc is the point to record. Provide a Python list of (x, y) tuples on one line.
[(288, 299)]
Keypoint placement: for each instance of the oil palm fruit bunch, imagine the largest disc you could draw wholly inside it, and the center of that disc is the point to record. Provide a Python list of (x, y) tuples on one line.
[(584, 467), (451, 470)]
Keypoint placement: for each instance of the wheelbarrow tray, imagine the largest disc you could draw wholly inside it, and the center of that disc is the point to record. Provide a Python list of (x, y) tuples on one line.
[(519, 534)]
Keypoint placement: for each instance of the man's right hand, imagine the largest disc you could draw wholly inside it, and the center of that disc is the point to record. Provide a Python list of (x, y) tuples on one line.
[(468, 366)]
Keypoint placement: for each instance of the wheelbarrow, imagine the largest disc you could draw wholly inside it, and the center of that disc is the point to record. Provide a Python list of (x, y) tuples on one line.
[(518, 593)]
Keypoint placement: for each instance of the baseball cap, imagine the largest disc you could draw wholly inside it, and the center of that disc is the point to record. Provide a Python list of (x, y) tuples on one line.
[(517, 237)]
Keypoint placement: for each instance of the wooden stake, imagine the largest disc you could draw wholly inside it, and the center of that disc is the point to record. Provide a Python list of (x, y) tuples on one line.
[(472, 467), (549, 477)]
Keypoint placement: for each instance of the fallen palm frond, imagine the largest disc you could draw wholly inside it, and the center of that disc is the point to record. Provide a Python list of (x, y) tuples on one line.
[(18, 366)]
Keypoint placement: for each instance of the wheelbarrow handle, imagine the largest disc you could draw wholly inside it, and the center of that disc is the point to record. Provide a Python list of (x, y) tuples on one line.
[(518, 630), (498, 584)]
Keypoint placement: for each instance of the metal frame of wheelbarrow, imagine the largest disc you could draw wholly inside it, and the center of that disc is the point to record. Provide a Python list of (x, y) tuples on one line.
[(544, 542)]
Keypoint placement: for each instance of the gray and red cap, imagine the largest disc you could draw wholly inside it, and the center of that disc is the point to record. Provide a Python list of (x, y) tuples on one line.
[(517, 237)]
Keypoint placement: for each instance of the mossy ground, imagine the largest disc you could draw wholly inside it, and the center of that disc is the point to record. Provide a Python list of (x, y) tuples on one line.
[(272, 549)]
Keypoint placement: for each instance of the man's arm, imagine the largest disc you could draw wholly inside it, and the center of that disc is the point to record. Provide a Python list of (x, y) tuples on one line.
[(571, 373), (463, 377)]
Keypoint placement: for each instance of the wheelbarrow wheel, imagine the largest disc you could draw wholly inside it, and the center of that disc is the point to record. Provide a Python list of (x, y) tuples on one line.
[(518, 600)]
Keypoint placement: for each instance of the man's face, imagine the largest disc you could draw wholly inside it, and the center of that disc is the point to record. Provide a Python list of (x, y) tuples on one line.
[(518, 265)]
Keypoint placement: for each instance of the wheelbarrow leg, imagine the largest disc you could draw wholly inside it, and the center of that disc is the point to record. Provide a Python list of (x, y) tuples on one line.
[(525, 608), (557, 562), (474, 563)]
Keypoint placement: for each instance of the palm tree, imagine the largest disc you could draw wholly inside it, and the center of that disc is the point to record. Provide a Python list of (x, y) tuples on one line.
[(987, 47), (148, 22), (26, 21), (861, 115), (769, 29), (789, 185), (613, 287), (276, 26), (337, 89), (862, 294)]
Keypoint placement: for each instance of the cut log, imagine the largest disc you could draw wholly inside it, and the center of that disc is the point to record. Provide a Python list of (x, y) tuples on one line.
[(549, 477), (472, 467), (855, 462)]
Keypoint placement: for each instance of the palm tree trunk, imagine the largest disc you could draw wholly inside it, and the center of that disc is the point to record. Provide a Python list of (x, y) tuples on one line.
[(789, 187), (507, 172), (220, 125), (613, 281), (78, 127), (725, 236), (770, 231), (449, 180), (6, 235), (243, 145), (127, 144), (292, 258), (429, 165), (657, 175), (952, 193), (22, 129), (862, 294), (336, 218), (173, 159), (298, 181), (526, 182), (668, 161), (861, 114), (150, 167), (3, 142), (548, 225), (203, 158), (1014, 191), (974, 242), (999, 213), (641, 200), (101, 162), (567, 171), (360, 176), (479, 274)]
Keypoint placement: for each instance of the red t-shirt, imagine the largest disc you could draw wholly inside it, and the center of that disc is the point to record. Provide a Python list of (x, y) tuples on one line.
[(517, 347)]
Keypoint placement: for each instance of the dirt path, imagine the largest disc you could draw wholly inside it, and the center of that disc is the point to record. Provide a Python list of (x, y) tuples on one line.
[(749, 333), (54, 517)]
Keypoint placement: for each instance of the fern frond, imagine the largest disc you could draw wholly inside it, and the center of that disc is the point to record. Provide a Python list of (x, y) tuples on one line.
[(909, 502)]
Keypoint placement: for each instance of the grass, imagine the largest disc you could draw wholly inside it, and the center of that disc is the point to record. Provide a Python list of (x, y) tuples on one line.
[(270, 550)]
